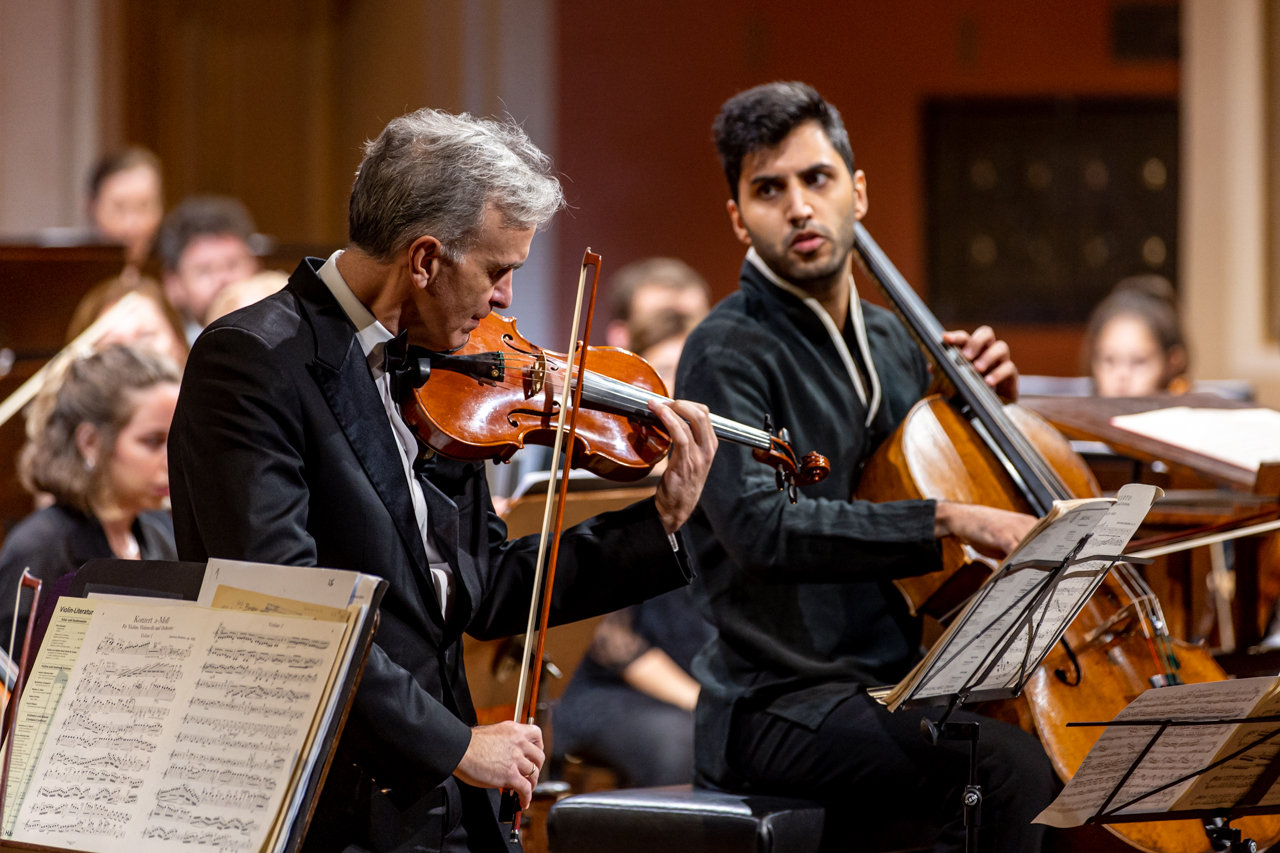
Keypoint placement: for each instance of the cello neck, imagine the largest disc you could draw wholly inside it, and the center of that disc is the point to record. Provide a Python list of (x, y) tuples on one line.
[(1034, 477)]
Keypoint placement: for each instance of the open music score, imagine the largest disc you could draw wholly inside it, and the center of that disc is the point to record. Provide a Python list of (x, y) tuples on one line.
[(991, 649), (1194, 750), (1176, 439), (147, 723)]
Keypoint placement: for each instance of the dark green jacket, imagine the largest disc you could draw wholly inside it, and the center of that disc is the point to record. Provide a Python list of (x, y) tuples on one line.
[(801, 594)]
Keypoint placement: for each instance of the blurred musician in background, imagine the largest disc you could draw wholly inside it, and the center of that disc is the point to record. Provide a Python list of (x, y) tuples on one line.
[(205, 244), (239, 294), (150, 323), (126, 203), (643, 289), (96, 442), (1133, 341)]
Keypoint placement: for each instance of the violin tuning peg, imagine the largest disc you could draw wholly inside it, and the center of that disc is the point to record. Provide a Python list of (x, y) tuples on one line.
[(779, 478)]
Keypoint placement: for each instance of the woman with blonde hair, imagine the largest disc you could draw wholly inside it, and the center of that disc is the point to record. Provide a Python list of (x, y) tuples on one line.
[(97, 443)]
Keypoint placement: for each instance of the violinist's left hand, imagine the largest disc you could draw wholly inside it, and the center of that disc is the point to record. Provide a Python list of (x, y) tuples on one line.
[(990, 357), (693, 446)]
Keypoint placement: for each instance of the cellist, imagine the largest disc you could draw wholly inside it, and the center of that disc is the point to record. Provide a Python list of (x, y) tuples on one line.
[(287, 447), (801, 595)]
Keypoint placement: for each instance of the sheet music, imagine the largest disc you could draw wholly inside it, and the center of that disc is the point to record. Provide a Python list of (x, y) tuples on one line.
[(1243, 437), (1015, 619), (1179, 751), (330, 587), (44, 688), (177, 726)]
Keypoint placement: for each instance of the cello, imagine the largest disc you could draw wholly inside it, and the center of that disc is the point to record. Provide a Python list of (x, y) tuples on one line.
[(971, 447)]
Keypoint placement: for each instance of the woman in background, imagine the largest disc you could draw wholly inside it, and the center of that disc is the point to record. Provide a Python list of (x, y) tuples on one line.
[(126, 203), (97, 442), (1133, 342)]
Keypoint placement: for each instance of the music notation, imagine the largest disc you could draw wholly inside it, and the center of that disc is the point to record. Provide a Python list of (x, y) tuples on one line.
[(176, 726)]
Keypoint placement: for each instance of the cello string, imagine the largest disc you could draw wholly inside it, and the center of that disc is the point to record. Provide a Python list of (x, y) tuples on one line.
[(981, 395)]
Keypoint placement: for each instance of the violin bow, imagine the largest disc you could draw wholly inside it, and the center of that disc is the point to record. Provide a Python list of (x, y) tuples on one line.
[(552, 520)]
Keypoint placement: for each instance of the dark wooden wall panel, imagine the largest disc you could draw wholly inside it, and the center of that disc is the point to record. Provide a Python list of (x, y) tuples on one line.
[(641, 82)]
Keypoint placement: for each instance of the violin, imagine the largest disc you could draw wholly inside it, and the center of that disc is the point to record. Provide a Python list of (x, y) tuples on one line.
[(499, 393), (974, 448)]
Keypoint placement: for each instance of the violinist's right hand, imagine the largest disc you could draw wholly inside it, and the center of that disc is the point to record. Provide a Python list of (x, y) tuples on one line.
[(505, 755), (693, 447), (992, 531)]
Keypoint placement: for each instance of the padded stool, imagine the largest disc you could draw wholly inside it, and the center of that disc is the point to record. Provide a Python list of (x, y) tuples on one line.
[(643, 820), (681, 818)]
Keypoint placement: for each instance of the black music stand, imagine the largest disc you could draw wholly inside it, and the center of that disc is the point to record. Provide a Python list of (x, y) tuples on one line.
[(1216, 817), (1031, 618), (995, 645)]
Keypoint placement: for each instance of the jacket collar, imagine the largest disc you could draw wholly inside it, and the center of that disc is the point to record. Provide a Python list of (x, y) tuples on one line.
[(341, 372), (804, 310)]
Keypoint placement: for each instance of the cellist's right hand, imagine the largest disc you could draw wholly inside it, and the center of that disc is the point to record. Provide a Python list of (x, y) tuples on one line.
[(994, 532), (505, 755)]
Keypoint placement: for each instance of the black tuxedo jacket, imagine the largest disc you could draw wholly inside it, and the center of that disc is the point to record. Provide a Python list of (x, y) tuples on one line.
[(281, 452)]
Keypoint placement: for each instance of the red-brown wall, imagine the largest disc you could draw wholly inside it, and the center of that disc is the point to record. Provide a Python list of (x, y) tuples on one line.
[(639, 84)]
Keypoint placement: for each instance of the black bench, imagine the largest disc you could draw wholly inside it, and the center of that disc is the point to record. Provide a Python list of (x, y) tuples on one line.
[(681, 818)]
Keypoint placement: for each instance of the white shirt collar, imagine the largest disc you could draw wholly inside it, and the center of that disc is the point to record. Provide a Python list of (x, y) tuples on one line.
[(369, 330), (837, 337)]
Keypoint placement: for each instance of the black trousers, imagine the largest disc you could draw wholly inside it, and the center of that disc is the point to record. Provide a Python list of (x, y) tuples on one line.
[(866, 765)]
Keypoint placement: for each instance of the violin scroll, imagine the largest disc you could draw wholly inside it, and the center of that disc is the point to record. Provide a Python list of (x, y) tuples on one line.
[(789, 472)]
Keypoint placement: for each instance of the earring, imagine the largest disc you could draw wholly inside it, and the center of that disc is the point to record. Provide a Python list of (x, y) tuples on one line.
[(88, 464)]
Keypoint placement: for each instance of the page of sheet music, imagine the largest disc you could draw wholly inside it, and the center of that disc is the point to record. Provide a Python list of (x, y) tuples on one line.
[(44, 688), (177, 727), (330, 587), (1227, 783), (967, 657), (1178, 752), (1243, 437)]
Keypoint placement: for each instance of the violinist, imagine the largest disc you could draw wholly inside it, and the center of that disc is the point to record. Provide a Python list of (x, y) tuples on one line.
[(289, 448), (800, 595)]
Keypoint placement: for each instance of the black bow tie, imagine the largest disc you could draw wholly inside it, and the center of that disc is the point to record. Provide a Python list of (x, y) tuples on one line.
[(395, 352), (395, 363)]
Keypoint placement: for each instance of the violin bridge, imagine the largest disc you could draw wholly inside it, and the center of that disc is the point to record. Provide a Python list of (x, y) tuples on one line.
[(535, 377)]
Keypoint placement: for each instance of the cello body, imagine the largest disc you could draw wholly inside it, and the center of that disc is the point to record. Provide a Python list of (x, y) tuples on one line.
[(1117, 642), (973, 448)]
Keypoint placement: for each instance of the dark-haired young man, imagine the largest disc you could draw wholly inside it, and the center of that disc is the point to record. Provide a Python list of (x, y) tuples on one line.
[(801, 595)]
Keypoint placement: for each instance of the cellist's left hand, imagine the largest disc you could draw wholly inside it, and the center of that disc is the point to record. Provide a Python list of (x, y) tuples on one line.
[(990, 357), (693, 446)]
